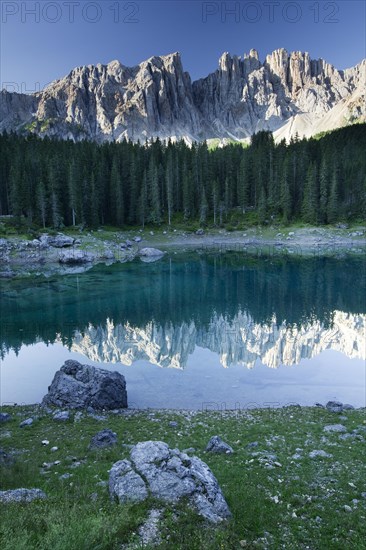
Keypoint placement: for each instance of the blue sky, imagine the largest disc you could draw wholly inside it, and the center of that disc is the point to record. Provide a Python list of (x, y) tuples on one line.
[(44, 40)]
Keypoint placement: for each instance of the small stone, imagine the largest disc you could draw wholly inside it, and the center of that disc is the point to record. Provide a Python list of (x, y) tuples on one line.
[(319, 454), (27, 422), (217, 445), (54, 449), (104, 438), (4, 417), (65, 476), (253, 444), (173, 424), (336, 428), (62, 416), (45, 442), (347, 508)]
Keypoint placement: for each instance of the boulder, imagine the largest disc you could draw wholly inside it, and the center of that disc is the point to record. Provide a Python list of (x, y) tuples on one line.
[(72, 257), (79, 386), (137, 239), (334, 406), (21, 495), (217, 445), (104, 438), (150, 252), (57, 241), (167, 474)]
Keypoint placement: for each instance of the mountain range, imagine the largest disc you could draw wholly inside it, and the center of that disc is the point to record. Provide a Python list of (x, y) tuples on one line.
[(288, 94), (239, 341)]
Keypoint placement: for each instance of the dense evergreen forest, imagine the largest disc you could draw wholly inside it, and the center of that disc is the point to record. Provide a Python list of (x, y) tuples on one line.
[(52, 183)]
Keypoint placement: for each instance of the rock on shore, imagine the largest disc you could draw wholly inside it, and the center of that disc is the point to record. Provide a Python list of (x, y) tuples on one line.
[(79, 386), (168, 474)]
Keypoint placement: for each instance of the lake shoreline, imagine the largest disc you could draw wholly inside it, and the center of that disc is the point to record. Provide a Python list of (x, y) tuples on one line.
[(22, 258)]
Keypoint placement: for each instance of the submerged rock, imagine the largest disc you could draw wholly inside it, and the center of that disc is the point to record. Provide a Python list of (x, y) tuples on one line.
[(80, 386), (167, 474), (150, 252), (21, 495)]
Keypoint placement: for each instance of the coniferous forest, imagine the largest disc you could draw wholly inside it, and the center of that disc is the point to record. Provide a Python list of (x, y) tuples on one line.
[(52, 183)]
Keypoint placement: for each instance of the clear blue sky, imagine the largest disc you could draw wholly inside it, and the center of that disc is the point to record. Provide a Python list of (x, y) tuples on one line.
[(61, 34)]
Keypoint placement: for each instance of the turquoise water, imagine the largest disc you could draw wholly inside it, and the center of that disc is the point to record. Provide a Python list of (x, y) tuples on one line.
[(192, 331)]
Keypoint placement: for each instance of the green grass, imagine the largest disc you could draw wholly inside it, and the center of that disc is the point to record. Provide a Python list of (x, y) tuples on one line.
[(311, 489)]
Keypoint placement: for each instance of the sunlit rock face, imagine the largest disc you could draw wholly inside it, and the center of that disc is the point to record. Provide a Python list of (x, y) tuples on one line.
[(288, 93), (240, 341)]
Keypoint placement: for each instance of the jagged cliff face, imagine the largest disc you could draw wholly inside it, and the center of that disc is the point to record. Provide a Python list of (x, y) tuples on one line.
[(240, 341), (288, 93)]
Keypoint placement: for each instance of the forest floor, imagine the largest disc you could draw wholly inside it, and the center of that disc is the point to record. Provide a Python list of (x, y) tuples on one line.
[(291, 483), (21, 255)]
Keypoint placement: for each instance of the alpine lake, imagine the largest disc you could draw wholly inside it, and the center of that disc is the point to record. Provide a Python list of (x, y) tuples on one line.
[(195, 330)]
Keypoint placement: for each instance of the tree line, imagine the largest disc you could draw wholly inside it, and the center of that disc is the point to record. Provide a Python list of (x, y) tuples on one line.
[(53, 183)]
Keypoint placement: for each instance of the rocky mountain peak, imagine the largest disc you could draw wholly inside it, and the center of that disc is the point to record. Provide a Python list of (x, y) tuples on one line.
[(288, 93)]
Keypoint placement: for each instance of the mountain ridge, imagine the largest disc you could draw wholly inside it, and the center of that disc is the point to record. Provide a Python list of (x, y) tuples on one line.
[(288, 93)]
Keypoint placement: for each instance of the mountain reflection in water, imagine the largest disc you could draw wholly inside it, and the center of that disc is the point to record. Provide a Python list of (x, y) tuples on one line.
[(276, 310)]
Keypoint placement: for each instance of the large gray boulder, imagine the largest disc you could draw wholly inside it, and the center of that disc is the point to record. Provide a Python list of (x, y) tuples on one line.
[(79, 386), (167, 474), (57, 241), (76, 257)]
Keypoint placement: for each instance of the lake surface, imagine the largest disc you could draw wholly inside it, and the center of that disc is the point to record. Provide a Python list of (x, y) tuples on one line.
[(195, 330)]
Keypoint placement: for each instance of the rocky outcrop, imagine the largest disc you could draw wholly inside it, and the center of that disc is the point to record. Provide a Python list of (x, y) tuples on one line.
[(169, 475), (287, 93), (79, 386)]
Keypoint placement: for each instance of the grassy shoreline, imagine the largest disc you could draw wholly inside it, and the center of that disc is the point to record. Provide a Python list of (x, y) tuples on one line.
[(279, 496)]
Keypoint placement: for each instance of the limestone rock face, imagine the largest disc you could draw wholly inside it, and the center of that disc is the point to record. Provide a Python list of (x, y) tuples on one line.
[(167, 474), (287, 93), (79, 386)]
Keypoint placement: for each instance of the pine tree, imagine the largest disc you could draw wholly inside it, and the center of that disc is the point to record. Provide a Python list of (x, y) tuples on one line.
[(333, 203), (286, 198), (169, 183), (310, 200), (323, 190), (41, 203)]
